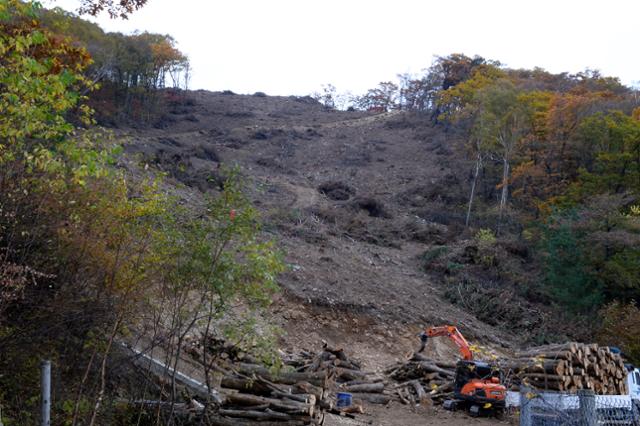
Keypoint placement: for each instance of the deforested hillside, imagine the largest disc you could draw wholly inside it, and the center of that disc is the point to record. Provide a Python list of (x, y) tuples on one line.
[(368, 208), (182, 256)]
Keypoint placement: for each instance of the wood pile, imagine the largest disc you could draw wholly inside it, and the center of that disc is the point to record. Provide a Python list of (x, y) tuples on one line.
[(345, 375), (253, 393), (569, 367), (422, 380), (300, 394)]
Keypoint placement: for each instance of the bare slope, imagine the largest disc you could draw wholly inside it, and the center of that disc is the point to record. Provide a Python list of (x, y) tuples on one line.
[(354, 199)]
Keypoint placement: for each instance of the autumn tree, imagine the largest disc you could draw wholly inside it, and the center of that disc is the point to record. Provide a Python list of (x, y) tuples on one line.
[(85, 246), (384, 97), (115, 8), (500, 124), (130, 68)]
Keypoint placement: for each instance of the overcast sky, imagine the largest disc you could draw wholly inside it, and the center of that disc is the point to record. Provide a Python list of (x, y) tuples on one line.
[(292, 47)]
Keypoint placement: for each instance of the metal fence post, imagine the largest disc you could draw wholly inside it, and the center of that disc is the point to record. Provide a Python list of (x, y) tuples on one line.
[(525, 408), (45, 387), (588, 414)]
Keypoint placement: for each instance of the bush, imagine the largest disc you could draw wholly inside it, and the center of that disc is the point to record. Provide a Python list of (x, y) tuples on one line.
[(621, 327), (431, 255), (485, 237), (487, 253), (493, 304)]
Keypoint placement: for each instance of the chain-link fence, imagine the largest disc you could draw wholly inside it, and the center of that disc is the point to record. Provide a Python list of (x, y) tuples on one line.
[(584, 409)]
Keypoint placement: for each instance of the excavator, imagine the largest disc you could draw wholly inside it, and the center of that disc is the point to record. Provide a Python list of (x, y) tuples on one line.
[(477, 384)]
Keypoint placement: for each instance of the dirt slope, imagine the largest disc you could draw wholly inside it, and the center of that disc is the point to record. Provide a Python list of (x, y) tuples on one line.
[(354, 199)]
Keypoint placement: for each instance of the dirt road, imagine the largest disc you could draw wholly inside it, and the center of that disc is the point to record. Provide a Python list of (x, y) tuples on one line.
[(396, 414)]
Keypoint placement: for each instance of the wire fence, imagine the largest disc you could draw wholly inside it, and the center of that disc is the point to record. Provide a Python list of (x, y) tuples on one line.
[(584, 409)]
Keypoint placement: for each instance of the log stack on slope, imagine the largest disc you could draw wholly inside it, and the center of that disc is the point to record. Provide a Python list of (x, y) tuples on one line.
[(345, 373), (299, 394), (254, 394), (570, 367), (423, 380)]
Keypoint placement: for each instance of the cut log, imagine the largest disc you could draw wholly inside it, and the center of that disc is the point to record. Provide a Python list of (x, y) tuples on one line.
[(363, 381), (308, 388), (353, 409), (533, 365), (348, 374), (245, 385), (290, 406), (260, 415), (315, 378), (566, 355), (369, 388), (420, 392)]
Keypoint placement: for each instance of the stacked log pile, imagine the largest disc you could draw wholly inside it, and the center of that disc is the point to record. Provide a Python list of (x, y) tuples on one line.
[(346, 376), (301, 393), (422, 380), (251, 392), (569, 367)]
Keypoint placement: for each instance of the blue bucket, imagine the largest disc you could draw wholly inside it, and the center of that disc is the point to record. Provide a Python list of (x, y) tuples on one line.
[(344, 399)]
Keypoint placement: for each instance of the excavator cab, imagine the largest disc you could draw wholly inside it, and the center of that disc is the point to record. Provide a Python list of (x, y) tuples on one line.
[(479, 383)]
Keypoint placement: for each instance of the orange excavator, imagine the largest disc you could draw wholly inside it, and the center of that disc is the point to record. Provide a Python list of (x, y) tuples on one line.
[(477, 384)]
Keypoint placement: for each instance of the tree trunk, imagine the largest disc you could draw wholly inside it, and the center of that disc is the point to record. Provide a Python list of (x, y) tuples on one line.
[(103, 372), (505, 185), (473, 188)]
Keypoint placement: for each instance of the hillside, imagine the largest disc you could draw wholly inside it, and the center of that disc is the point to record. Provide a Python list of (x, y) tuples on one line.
[(354, 199)]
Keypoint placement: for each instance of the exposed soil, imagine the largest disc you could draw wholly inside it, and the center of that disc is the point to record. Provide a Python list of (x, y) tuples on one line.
[(354, 200), (396, 414)]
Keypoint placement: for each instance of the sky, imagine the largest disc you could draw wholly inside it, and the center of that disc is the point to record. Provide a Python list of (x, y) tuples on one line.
[(293, 47)]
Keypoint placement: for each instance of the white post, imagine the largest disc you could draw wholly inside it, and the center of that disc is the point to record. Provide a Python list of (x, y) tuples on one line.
[(45, 387)]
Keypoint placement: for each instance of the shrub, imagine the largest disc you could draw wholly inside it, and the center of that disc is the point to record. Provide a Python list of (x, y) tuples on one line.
[(486, 240), (431, 255), (485, 237), (621, 327)]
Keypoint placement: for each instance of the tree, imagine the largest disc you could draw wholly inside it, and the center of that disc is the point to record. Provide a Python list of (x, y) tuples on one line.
[(610, 147), (416, 93), (567, 276), (380, 99), (129, 68), (327, 97), (115, 8), (500, 124), (591, 252)]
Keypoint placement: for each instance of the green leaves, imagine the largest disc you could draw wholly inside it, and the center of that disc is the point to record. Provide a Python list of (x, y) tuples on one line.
[(567, 276), (610, 143), (38, 73)]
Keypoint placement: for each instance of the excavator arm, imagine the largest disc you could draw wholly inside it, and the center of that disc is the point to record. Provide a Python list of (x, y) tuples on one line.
[(452, 333)]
